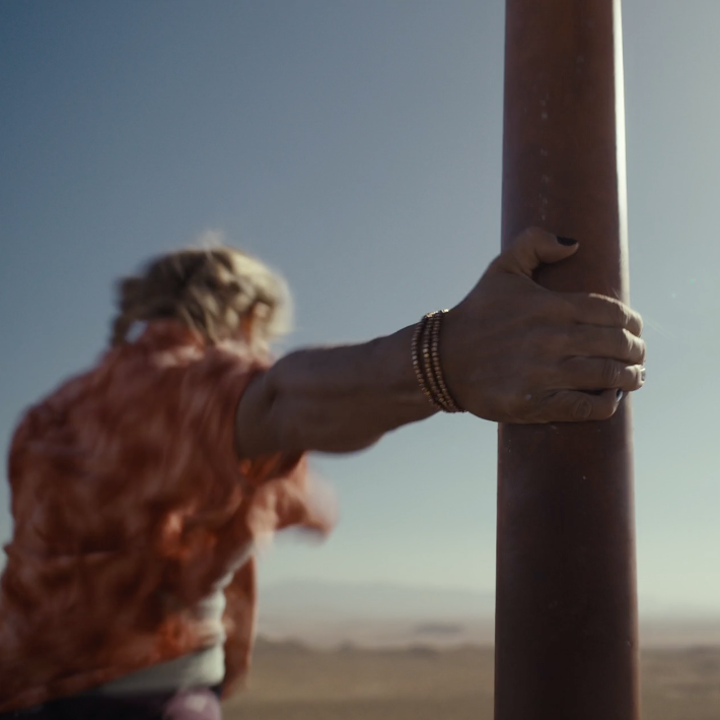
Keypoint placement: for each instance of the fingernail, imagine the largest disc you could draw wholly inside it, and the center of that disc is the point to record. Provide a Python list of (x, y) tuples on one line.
[(642, 374), (619, 395), (566, 241)]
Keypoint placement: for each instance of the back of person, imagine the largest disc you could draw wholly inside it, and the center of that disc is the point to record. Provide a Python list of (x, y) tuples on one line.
[(130, 572)]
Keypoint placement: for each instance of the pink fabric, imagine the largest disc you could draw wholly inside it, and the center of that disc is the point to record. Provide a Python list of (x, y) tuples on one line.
[(129, 504), (193, 705)]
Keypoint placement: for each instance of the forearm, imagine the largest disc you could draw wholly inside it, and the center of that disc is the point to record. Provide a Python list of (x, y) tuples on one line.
[(510, 352), (332, 399)]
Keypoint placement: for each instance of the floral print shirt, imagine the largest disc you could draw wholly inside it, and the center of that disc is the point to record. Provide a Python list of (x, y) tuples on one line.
[(130, 504)]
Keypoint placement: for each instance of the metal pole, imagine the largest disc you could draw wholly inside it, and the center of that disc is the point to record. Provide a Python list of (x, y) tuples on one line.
[(566, 621)]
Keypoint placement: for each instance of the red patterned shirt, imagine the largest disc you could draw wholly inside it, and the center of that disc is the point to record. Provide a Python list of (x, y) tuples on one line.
[(129, 505)]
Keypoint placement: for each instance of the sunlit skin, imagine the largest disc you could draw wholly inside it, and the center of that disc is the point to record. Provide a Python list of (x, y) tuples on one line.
[(511, 352)]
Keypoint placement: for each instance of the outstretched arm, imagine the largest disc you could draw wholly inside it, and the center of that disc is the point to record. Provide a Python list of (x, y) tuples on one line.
[(511, 351)]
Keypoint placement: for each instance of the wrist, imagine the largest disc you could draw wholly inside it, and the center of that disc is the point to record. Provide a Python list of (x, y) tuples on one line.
[(397, 378)]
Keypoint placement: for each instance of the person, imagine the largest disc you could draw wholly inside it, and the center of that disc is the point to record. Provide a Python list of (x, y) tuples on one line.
[(141, 488)]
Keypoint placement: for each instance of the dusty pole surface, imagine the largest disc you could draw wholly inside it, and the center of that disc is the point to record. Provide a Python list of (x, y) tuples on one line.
[(566, 626)]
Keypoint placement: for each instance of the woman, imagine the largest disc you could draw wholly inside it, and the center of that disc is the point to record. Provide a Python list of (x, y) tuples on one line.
[(140, 487)]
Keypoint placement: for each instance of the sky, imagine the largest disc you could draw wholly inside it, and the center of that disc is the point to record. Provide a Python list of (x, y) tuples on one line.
[(356, 147)]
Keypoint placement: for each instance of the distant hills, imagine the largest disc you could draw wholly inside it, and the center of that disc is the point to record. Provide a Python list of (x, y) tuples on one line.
[(385, 615), (327, 614)]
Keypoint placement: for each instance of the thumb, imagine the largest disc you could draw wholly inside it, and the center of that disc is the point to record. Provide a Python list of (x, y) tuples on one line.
[(531, 248)]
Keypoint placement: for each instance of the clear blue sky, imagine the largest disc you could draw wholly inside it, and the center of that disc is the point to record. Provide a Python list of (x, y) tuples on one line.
[(356, 146)]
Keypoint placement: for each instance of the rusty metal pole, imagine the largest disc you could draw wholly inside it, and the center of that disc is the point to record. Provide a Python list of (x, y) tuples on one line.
[(566, 623)]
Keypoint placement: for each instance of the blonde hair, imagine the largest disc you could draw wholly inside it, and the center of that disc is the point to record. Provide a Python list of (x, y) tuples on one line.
[(210, 291)]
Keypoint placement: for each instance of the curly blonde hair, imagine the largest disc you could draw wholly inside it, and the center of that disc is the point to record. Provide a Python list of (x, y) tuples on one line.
[(211, 291)]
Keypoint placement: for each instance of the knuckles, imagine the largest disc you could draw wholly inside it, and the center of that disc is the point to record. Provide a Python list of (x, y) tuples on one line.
[(611, 373), (623, 315), (631, 348), (582, 409), (642, 350)]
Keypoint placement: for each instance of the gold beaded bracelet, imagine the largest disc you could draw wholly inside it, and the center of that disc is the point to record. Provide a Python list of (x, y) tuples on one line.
[(426, 362), (446, 399), (419, 339)]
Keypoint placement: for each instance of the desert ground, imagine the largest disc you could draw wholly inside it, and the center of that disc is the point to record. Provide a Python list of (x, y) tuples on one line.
[(291, 681)]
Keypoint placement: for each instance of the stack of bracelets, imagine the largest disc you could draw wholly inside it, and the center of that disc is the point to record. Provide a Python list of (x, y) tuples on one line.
[(426, 361)]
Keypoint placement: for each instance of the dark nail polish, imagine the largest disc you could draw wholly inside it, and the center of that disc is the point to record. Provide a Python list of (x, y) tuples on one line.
[(619, 395), (566, 241)]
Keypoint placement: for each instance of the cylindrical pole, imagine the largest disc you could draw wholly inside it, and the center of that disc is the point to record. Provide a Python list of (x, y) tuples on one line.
[(566, 621)]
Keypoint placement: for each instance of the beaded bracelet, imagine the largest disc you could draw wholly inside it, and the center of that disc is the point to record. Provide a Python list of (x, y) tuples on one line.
[(419, 339), (426, 362), (446, 399)]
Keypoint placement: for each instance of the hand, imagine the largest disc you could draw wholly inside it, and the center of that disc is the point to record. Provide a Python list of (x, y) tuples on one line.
[(515, 352)]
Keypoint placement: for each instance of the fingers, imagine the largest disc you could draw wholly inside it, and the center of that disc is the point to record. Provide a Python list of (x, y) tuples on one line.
[(570, 406), (594, 373), (529, 250), (605, 311), (604, 342), (533, 247)]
